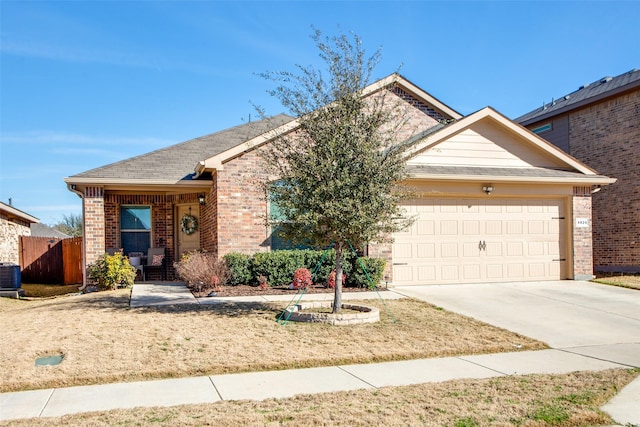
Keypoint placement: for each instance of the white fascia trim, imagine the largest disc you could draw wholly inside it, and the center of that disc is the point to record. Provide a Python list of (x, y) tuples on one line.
[(18, 213), (586, 180), (135, 182), (217, 161)]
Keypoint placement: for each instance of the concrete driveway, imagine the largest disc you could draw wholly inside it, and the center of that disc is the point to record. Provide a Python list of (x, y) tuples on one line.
[(580, 317)]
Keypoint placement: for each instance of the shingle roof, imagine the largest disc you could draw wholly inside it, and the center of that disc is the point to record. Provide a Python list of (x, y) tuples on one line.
[(177, 162), (585, 94), (42, 230)]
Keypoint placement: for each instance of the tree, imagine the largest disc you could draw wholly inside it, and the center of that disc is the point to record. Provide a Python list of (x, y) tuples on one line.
[(71, 224), (339, 173)]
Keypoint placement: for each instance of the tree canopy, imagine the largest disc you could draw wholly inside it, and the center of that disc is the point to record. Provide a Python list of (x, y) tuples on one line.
[(71, 225), (339, 173)]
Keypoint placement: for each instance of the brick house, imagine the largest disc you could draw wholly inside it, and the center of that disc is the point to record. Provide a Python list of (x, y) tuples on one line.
[(599, 124), (497, 203), (13, 224)]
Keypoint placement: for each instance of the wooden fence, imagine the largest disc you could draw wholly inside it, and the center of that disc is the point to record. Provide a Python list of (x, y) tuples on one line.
[(51, 260)]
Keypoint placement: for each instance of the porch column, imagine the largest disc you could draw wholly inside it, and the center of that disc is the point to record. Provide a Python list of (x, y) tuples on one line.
[(582, 234), (94, 233)]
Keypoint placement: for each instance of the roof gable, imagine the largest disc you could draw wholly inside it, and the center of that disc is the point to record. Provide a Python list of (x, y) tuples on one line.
[(403, 88), (487, 143)]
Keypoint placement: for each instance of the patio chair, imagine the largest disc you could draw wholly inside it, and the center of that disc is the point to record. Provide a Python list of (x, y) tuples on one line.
[(156, 260)]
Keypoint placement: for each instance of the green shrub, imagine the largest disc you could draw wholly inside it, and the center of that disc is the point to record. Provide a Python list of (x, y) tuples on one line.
[(277, 267), (323, 271), (239, 266), (111, 272), (375, 270)]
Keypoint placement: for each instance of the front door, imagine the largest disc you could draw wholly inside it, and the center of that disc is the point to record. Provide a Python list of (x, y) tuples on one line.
[(188, 234)]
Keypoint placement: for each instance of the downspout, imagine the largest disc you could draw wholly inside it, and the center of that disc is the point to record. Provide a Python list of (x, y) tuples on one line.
[(72, 188)]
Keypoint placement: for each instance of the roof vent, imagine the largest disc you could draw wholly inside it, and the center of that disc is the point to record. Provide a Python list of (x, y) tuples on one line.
[(567, 97), (606, 79), (584, 86)]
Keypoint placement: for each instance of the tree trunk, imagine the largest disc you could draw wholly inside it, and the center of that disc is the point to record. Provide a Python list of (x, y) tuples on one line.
[(337, 300)]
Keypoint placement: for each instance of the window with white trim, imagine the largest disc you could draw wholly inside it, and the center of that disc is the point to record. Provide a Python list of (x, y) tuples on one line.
[(135, 228)]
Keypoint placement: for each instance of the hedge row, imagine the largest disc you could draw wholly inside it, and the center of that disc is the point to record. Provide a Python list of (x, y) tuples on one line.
[(278, 267)]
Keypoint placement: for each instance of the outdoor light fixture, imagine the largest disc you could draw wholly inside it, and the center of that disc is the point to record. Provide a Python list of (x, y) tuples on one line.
[(201, 199), (488, 189)]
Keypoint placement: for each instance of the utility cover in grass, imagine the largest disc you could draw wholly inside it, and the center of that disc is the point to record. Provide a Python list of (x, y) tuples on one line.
[(49, 360)]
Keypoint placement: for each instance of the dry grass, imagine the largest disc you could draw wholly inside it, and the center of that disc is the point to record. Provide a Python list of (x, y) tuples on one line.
[(103, 340), (625, 281), (533, 400), (47, 291)]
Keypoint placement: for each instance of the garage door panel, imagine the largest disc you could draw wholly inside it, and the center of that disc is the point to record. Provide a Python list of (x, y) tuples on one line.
[(493, 227), (536, 248), (470, 249), (471, 272), (535, 227), (494, 249), (402, 251), (449, 250), (514, 227), (427, 273), (403, 273), (553, 249), (515, 271), (495, 271), (471, 228), (515, 249), (485, 239), (449, 272), (425, 228), (449, 228), (537, 270), (426, 250)]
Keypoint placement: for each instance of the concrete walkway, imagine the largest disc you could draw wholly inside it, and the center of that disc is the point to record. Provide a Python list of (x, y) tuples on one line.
[(588, 355)]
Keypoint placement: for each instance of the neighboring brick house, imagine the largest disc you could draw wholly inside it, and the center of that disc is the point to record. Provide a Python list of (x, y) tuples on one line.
[(497, 203), (13, 224), (599, 124)]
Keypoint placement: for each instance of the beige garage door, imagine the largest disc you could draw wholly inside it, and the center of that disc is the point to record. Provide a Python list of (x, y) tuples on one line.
[(481, 240)]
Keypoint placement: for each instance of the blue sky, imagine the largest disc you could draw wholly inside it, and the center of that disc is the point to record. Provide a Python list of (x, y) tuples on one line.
[(87, 83)]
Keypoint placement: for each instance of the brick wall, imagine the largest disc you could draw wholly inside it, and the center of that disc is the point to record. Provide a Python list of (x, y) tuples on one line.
[(606, 136), (94, 223), (582, 235), (162, 221), (209, 220), (384, 251), (10, 232), (242, 206)]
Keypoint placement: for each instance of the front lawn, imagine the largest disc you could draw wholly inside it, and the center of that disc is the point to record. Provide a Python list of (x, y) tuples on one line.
[(103, 340), (571, 400), (623, 280)]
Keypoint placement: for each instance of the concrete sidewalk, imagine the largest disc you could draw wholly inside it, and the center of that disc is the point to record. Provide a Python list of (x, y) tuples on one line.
[(282, 384), (593, 356)]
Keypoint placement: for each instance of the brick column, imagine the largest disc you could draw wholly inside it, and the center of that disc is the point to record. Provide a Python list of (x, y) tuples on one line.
[(94, 232), (582, 234)]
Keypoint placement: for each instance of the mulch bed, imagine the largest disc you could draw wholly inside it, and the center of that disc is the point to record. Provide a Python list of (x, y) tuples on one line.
[(246, 290)]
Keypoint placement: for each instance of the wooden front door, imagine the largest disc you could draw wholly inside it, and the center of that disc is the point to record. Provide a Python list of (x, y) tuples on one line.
[(187, 242)]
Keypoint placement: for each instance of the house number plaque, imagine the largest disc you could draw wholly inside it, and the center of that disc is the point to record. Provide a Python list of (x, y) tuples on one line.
[(582, 222)]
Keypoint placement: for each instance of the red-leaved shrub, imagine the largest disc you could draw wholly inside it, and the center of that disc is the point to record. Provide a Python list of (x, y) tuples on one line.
[(302, 278)]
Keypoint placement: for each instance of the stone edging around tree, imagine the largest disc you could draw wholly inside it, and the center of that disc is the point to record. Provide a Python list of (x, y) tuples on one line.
[(296, 313)]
